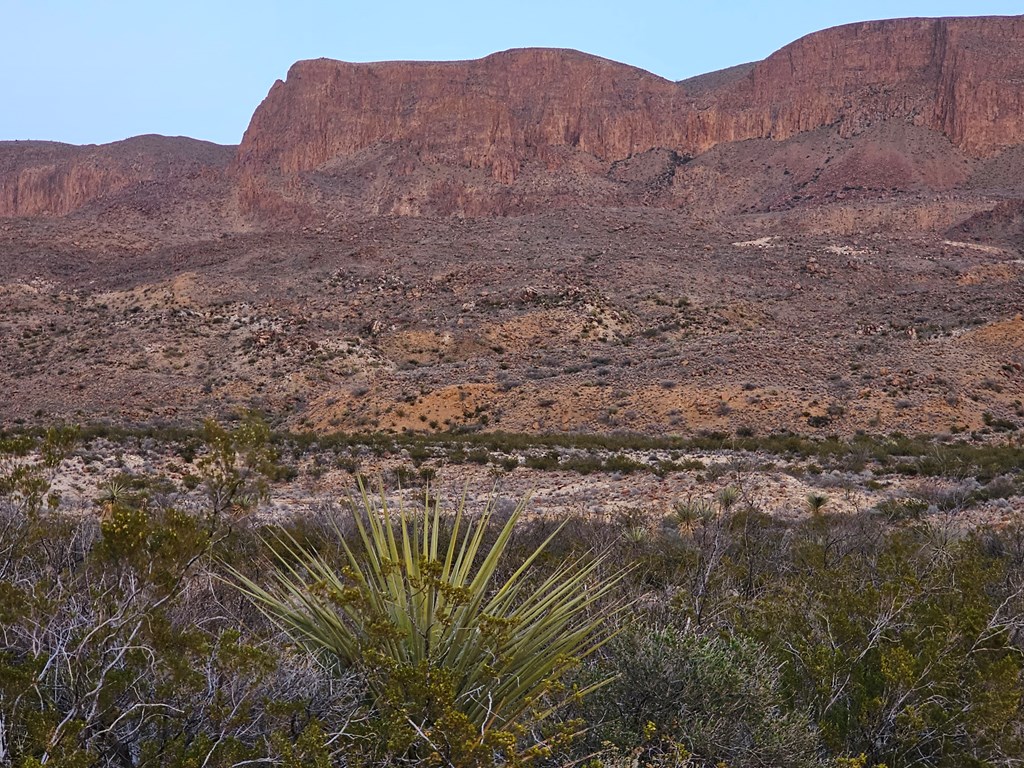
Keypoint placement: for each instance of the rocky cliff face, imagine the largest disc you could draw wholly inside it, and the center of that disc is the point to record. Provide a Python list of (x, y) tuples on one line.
[(958, 76), (50, 179), (530, 129), (495, 112), (40, 178)]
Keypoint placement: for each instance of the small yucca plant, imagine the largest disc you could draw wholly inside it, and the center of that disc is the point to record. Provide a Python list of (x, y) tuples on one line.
[(407, 600), (815, 503)]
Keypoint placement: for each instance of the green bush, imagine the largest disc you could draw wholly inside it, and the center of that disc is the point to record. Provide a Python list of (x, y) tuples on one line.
[(714, 699)]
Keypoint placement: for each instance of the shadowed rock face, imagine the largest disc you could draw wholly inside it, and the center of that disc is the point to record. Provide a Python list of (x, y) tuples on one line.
[(40, 178), (535, 128)]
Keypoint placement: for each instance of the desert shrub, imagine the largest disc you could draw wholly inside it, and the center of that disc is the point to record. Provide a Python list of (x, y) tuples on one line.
[(704, 699), (902, 509), (548, 461), (121, 648), (903, 650), (1001, 487), (855, 640)]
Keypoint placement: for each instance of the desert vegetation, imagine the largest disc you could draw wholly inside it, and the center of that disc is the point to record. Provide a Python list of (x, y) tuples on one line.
[(665, 424), (175, 624)]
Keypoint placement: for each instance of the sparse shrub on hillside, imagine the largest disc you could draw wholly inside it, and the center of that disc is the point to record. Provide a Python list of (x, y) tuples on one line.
[(238, 464), (28, 464), (816, 502), (902, 509)]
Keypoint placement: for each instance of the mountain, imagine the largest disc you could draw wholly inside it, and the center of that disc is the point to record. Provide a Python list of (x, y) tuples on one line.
[(43, 178), (523, 128), (526, 129), (827, 240)]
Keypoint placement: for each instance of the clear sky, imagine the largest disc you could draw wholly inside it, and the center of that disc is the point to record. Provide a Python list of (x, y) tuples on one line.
[(91, 71)]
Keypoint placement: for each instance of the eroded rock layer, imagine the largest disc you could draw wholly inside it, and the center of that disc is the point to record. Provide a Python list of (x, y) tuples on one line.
[(961, 77)]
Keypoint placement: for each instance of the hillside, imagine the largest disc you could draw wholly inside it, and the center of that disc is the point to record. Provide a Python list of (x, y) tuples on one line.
[(542, 240)]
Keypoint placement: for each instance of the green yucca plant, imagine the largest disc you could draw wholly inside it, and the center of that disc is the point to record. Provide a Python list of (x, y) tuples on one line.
[(406, 599)]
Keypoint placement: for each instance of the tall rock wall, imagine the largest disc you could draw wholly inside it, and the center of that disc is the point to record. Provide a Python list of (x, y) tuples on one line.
[(494, 112), (384, 127), (963, 77)]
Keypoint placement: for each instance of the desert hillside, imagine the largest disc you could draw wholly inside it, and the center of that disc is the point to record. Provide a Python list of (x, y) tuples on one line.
[(826, 241)]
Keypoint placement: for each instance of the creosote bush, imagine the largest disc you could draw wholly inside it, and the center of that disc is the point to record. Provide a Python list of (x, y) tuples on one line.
[(683, 698)]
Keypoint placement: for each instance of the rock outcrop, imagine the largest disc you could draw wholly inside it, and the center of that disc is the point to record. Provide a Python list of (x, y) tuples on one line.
[(537, 128), (1001, 225), (495, 112), (40, 178), (961, 77)]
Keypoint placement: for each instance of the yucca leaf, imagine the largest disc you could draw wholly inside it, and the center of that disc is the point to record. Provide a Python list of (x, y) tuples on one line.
[(505, 643)]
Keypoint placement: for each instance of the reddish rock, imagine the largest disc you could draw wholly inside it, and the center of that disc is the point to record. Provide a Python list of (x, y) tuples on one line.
[(1003, 224), (39, 178), (491, 113), (926, 102), (958, 76)]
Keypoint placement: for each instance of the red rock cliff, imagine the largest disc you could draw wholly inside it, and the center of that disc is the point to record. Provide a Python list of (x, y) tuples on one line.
[(962, 77), (493, 112), (49, 179)]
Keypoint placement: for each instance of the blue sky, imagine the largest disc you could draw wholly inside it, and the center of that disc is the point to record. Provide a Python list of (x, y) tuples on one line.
[(91, 71)]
